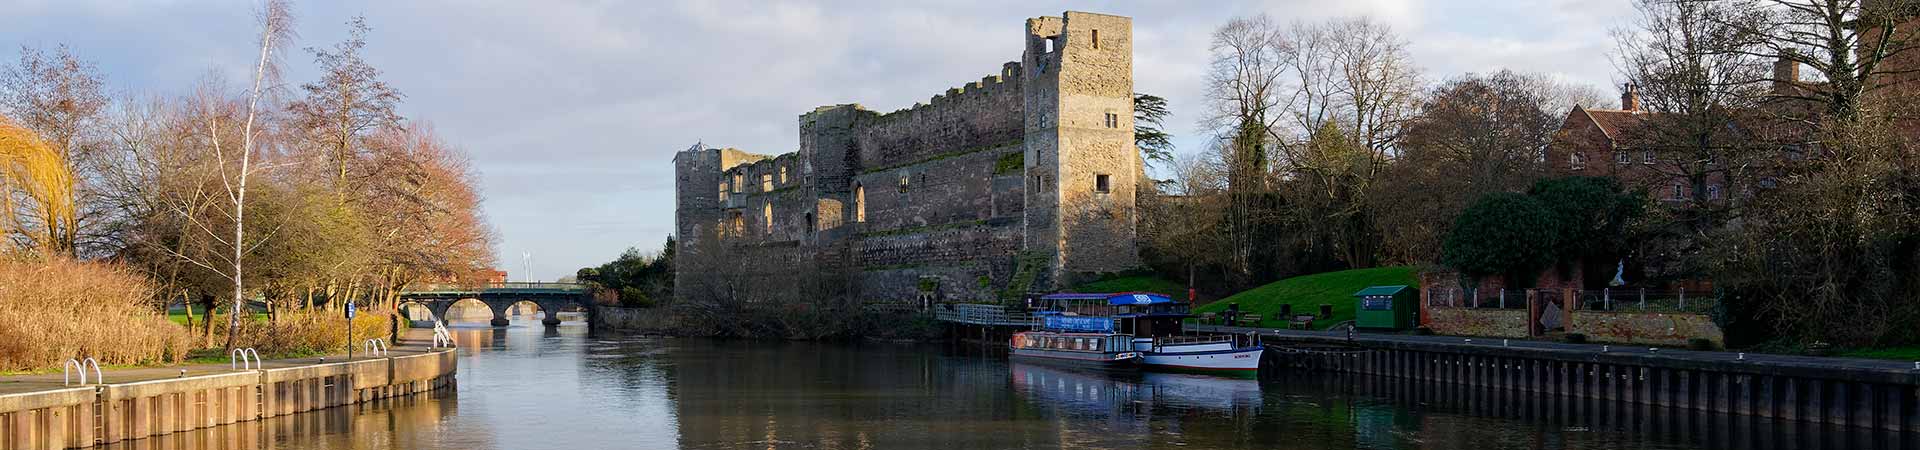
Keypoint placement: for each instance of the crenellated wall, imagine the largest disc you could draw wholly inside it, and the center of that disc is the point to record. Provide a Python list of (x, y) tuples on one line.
[(1035, 159)]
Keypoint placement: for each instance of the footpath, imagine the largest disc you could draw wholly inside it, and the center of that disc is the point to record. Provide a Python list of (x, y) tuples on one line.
[(416, 340)]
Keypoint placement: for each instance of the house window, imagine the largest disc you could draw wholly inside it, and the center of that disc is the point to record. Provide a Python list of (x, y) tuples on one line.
[(1102, 183), (1622, 158), (904, 182), (1646, 156), (1679, 191), (859, 202), (1713, 192), (1577, 161), (766, 183)]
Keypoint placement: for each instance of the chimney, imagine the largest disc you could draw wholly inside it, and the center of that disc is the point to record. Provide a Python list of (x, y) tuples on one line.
[(1786, 73), (1630, 97)]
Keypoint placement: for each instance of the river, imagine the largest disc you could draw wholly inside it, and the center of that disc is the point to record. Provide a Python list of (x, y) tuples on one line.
[(529, 387)]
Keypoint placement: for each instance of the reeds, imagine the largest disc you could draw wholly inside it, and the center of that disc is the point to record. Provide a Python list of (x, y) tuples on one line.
[(52, 309)]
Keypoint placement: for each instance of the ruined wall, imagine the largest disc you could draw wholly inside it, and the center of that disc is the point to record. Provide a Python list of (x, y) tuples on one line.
[(951, 192), (975, 116), (1499, 323), (1672, 329)]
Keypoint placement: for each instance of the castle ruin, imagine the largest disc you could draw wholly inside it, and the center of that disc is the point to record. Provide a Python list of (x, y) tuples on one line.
[(1022, 181)]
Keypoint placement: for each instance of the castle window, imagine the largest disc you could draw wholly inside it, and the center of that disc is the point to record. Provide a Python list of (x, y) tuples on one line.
[(738, 180), (1102, 183), (1113, 120), (723, 192), (1049, 44), (737, 225), (904, 181), (859, 203), (766, 183), (809, 225), (1096, 38), (1646, 157), (767, 212), (783, 174)]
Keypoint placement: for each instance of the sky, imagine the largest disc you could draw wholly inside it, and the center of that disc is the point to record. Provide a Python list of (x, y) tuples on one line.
[(571, 110)]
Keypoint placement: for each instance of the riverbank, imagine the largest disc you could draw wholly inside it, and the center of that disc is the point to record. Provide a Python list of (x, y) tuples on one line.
[(1870, 393), (43, 412)]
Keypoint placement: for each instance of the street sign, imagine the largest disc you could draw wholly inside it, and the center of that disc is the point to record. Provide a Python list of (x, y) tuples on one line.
[(349, 311)]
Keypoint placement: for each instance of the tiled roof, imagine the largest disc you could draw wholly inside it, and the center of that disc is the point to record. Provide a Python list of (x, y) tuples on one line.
[(1616, 123)]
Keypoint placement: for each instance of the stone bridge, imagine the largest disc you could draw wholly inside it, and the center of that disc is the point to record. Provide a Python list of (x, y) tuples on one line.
[(551, 298)]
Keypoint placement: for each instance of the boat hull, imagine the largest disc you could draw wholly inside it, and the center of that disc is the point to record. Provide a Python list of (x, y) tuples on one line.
[(1231, 360), (1121, 360)]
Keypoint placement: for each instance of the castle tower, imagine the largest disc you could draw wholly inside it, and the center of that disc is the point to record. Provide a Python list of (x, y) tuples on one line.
[(1082, 168), (697, 186)]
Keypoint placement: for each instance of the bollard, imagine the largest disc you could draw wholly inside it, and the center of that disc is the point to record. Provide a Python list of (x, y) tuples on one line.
[(183, 373), (1503, 342), (1741, 357), (1604, 348)]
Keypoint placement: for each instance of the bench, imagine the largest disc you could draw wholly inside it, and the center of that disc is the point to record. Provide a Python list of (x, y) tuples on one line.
[(1248, 319), (1301, 322)]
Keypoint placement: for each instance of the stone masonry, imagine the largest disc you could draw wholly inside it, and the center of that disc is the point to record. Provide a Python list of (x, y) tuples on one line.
[(1024, 180)]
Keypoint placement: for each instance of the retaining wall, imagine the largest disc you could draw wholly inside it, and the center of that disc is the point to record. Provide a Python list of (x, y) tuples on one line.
[(82, 417)]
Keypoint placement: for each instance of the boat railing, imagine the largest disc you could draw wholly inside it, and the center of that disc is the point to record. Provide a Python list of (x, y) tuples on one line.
[(1197, 339)]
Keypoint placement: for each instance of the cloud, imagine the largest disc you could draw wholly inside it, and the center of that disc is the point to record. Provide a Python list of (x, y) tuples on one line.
[(572, 109)]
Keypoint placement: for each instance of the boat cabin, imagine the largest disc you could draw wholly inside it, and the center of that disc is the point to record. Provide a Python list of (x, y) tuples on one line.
[(1140, 314)]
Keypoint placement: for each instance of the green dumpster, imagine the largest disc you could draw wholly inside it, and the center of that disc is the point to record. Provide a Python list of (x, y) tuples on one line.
[(1385, 307)]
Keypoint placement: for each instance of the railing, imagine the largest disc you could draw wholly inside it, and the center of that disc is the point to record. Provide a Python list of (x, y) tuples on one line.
[(441, 337), (978, 314), (1624, 300), (237, 359), (66, 378), (375, 347), (509, 285)]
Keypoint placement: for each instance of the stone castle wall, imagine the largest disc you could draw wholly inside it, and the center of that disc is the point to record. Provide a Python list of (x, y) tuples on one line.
[(940, 199)]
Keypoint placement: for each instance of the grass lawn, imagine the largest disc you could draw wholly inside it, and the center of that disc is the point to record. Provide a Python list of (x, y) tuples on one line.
[(1894, 353), (180, 317), (1143, 283), (1307, 292)]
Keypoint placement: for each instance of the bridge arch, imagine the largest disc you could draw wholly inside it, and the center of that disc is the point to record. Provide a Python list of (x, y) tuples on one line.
[(500, 298)]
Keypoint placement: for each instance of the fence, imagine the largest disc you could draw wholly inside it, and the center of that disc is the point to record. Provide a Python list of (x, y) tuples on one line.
[(978, 314), (1644, 300), (1633, 300), (1482, 298)]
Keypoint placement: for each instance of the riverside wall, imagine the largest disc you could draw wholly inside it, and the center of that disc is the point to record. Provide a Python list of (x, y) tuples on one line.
[(85, 416)]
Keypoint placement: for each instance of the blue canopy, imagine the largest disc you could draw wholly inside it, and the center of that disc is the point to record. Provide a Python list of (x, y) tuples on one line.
[(1115, 299), (1138, 298)]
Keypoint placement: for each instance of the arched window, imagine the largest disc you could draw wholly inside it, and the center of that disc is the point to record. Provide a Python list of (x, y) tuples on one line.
[(859, 203), (767, 212)]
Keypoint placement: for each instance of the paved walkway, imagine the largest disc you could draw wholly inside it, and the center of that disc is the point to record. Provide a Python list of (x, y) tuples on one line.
[(416, 343), (1715, 356)]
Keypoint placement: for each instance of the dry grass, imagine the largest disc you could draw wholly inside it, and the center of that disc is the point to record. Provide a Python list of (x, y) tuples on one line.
[(54, 309), (301, 333)]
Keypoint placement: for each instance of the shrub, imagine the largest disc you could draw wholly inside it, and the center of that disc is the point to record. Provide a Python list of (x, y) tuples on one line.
[(55, 309)]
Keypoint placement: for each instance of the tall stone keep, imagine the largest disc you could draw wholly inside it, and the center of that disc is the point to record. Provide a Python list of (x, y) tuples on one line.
[(1021, 181), (1082, 168)]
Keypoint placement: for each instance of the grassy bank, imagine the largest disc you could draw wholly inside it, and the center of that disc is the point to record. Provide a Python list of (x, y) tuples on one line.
[(1306, 293)]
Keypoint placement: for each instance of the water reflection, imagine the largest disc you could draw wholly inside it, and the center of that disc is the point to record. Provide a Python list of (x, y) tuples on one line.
[(533, 387)]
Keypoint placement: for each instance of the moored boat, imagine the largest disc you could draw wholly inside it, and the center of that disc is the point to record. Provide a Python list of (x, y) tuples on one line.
[(1147, 325)]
